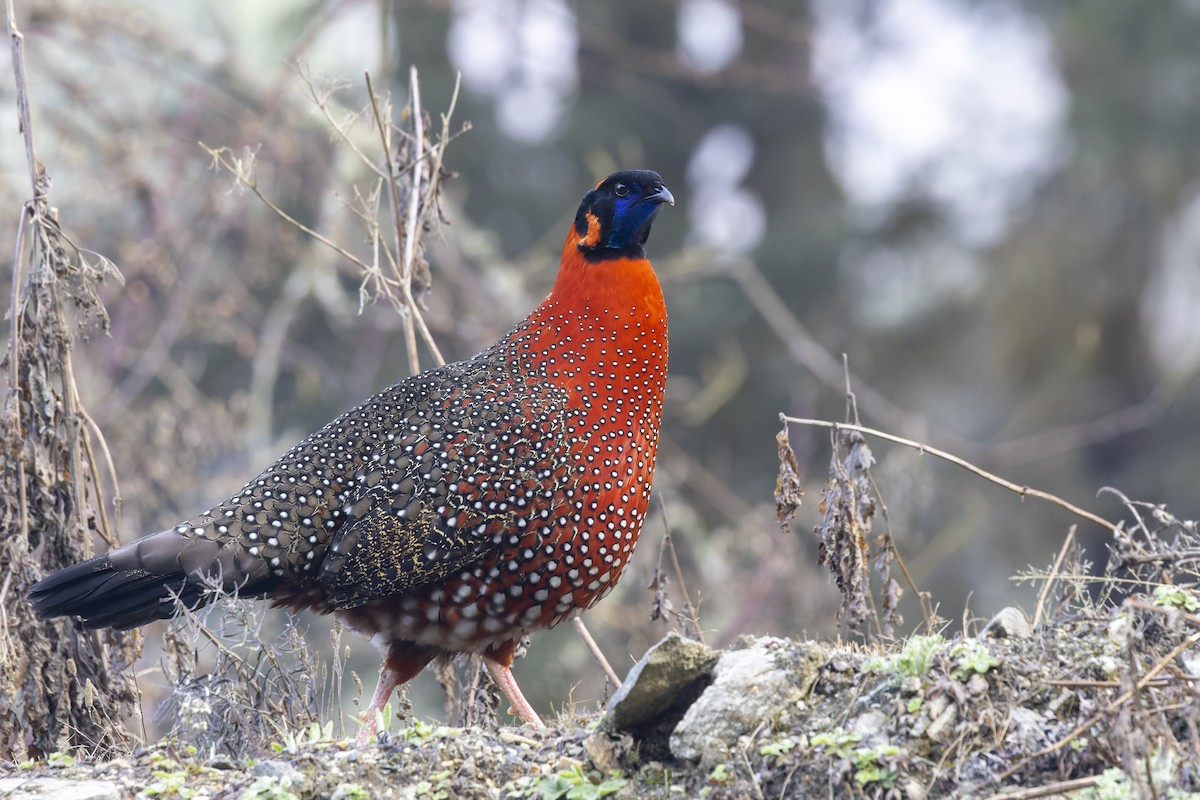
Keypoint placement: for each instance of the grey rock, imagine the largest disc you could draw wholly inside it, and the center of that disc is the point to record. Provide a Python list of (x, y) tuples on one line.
[(871, 726), (941, 726), (285, 772), (750, 687), (914, 790), (658, 690), (606, 752), (1009, 623), (672, 671), (1026, 729), (45, 788)]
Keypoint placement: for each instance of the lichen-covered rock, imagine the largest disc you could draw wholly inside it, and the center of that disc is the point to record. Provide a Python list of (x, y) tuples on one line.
[(668, 671), (750, 687), (659, 689)]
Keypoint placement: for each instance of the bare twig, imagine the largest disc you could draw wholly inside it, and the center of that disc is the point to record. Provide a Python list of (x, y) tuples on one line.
[(1056, 789), (758, 792), (430, 201), (244, 174), (1121, 700), (892, 552), (596, 652), (1089, 433), (851, 399), (1023, 491), (928, 614), (668, 545), (812, 355), (70, 411), (404, 232), (418, 207), (321, 99), (438, 153), (1062, 554), (14, 354), (17, 40), (106, 529), (1079, 683), (422, 205)]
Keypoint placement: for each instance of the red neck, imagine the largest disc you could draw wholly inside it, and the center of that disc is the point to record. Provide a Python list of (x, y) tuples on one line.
[(618, 286), (602, 320)]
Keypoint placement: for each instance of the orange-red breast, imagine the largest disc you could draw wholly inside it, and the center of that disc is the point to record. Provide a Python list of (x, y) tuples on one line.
[(457, 510)]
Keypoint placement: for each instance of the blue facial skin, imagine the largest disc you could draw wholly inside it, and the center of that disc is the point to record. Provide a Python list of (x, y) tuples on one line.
[(623, 206), (634, 212)]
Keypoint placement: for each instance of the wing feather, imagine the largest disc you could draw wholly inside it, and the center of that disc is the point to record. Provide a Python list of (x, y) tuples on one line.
[(480, 467)]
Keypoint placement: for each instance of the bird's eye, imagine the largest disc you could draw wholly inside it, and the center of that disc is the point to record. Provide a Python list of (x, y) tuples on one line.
[(621, 190)]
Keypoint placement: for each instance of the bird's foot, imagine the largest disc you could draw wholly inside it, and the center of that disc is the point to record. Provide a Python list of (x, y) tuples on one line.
[(367, 732), (503, 677)]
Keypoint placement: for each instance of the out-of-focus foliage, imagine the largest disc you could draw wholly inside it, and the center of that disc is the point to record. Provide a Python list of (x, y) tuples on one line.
[(990, 208)]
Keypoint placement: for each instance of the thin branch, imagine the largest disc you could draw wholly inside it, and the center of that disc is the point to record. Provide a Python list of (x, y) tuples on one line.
[(1062, 554), (321, 100), (1083, 580), (1023, 491), (693, 613), (14, 317), (112, 471), (17, 40), (1077, 683), (30, 209), (1125, 696), (1056, 789), (242, 177), (596, 652), (414, 206), (1089, 433), (758, 792), (14, 360), (93, 472), (928, 614), (403, 234), (408, 231), (668, 545), (437, 155)]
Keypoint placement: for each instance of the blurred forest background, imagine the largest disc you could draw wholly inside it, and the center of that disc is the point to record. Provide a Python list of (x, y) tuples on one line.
[(992, 208)]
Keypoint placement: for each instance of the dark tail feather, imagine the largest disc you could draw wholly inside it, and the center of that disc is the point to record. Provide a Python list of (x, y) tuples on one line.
[(105, 596), (140, 582)]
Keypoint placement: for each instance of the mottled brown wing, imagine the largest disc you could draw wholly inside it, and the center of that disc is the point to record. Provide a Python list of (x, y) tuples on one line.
[(382, 554), (491, 464)]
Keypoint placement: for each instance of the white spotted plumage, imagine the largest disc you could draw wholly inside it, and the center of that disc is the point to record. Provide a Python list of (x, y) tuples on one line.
[(460, 508), (536, 455)]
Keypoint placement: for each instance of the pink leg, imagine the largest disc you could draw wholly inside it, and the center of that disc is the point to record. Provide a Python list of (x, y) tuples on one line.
[(400, 665), (498, 664)]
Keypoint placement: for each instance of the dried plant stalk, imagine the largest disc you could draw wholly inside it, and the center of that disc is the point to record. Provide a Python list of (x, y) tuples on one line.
[(50, 493)]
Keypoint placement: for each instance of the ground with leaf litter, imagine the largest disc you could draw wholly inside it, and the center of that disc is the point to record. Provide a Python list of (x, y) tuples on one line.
[(1091, 694), (1099, 701)]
